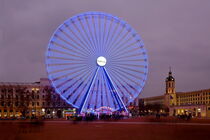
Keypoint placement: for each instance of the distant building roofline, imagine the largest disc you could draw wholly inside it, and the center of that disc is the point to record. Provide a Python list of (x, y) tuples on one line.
[(44, 81)]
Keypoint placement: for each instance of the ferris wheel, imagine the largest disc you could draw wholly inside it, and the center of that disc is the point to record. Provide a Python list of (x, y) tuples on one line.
[(97, 60)]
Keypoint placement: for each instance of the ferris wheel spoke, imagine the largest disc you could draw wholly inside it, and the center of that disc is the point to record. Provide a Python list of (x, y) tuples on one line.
[(78, 95), (78, 43), (88, 91), (121, 40), (117, 85), (96, 100), (63, 82), (90, 32), (131, 60), (101, 101), (88, 37), (104, 96), (121, 91), (66, 75), (57, 60), (132, 75), (60, 64), (133, 56), (108, 34), (89, 104), (74, 83), (89, 101), (120, 43), (93, 97), (121, 85), (110, 93), (100, 33), (106, 93), (130, 56), (95, 34), (77, 37), (51, 50), (76, 87), (120, 74), (130, 49), (117, 94), (116, 103), (102, 93), (127, 44), (77, 99), (65, 69), (68, 49), (70, 44), (112, 36), (134, 66), (56, 56), (84, 39), (98, 29), (75, 90), (133, 69), (125, 82), (127, 53), (68, 88), (116, 38), (104, 31), (63, 58), (88, 78)]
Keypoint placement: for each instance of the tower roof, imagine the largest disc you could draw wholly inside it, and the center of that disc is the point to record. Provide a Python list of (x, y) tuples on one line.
[(170, 77)]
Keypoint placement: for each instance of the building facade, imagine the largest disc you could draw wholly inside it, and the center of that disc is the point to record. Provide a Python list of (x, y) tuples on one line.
[(31, 100), (195, 103)]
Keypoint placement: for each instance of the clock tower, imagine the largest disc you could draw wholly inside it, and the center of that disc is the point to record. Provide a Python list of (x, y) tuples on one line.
[(170, 93)]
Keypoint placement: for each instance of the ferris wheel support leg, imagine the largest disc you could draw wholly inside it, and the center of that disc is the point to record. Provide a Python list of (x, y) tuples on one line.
[(118, 98), (88, 92)]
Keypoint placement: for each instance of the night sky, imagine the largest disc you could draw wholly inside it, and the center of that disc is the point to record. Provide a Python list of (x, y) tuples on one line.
[(176, 33)]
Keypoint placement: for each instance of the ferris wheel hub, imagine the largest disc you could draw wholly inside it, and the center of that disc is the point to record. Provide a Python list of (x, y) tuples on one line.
[(101, 61)]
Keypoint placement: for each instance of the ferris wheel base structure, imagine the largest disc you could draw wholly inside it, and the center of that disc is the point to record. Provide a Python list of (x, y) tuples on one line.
[(97, 63), (101, 61)]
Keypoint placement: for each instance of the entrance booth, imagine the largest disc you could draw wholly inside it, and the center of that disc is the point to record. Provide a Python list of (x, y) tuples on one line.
[(70, 113)]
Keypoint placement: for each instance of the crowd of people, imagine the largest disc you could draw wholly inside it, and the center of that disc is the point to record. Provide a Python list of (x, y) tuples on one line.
[(92, 117)]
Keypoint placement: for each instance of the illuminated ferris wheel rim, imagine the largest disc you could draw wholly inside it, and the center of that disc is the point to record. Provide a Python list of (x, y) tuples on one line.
[(100, 61)]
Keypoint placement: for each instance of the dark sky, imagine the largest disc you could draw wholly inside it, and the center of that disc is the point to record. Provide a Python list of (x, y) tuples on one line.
[(176, 33)]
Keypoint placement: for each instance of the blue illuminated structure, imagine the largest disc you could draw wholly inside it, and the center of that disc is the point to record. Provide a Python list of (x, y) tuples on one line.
[(97, 60)]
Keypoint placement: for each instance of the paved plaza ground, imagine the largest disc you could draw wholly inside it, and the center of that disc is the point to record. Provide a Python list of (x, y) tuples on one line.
[(129, 129)]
